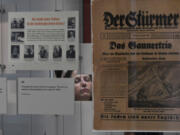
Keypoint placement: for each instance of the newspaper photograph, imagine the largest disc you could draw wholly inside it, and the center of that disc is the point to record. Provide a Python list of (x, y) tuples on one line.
[(43, 40), (136, 65)]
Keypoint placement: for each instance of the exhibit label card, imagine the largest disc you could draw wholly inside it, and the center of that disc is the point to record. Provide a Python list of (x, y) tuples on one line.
[(3, 96), (43, 40), (45, 96), (136, 59)]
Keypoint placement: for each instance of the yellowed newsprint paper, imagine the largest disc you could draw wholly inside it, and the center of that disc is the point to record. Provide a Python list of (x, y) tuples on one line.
[(136, 64)]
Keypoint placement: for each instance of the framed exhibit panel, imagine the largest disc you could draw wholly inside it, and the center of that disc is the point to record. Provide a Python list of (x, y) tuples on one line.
[(43, 40), (81, 122), (40, 124), (136, 65)]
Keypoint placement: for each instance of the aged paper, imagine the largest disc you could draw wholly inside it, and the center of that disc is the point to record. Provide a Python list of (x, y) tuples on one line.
[(136, 64)]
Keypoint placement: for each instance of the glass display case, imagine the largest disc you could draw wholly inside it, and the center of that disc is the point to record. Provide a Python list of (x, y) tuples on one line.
[(81, 122)]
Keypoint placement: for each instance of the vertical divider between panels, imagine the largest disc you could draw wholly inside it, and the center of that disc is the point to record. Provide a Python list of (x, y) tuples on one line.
[(31, 124), (80, 61), (57, 123), (1, 48), (59, 4), (2, 123), (63, 124), (17, 98), (58, 118), (51, 75), (29, 5), (81, 117), (30, 75), (2, 43), (1, 34), (31, 121)]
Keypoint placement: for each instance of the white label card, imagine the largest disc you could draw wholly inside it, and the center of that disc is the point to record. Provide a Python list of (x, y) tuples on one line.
[(45, 96), (3, 96)]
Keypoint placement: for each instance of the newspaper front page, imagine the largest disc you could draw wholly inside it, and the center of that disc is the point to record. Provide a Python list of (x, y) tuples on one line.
[(136, 64)]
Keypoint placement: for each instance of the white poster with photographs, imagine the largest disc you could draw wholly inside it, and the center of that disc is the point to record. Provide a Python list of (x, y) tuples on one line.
[(43, 40)]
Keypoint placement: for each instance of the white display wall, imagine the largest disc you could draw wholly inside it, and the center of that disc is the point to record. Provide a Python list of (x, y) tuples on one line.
[(78, 124)]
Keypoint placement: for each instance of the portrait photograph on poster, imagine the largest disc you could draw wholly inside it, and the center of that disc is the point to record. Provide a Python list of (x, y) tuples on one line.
[(17, 36), (28, 51), (43, 52), (83, 87), (82, 84), (70, 53), (71, 23), (15, 51), (57, 52), (71, 35), (17, 23)]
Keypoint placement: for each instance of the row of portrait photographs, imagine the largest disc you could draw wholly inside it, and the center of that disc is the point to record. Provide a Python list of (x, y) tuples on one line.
[(17, 36), (17, 23), (71, 23), (43, 52)]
